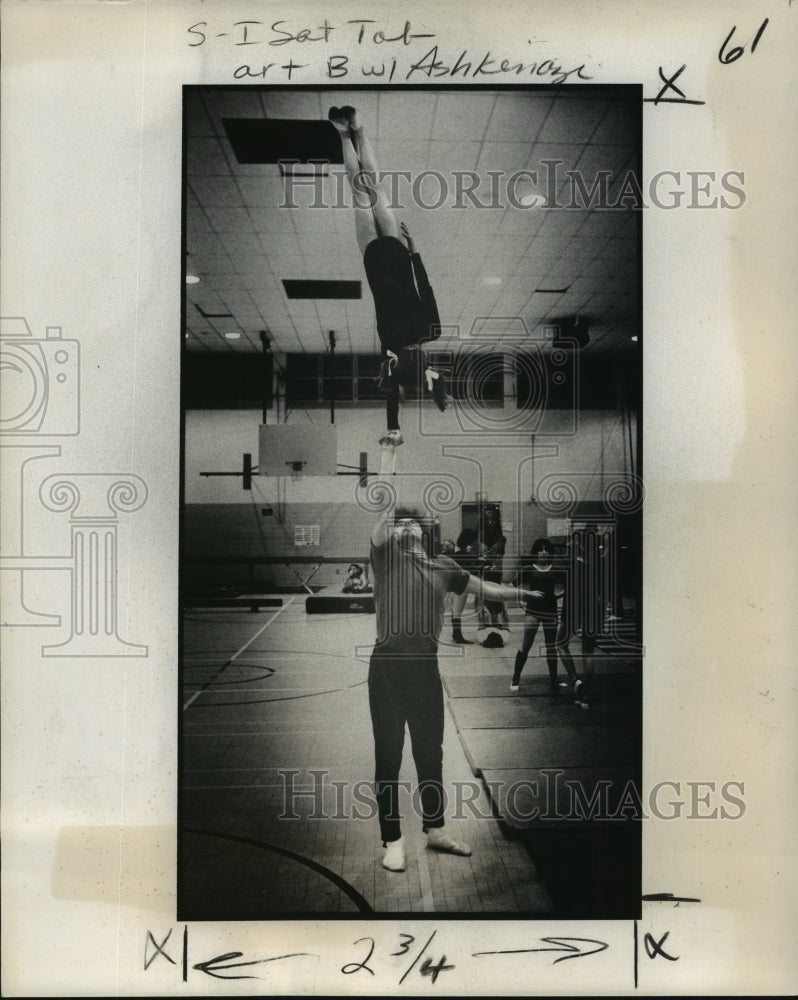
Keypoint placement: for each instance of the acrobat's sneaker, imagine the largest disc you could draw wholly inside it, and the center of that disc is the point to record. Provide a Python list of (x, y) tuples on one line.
[(392, 437), (394, 859), (438, 389)]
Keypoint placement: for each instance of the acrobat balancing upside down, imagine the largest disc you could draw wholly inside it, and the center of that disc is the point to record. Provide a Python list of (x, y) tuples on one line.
[(407, 314)]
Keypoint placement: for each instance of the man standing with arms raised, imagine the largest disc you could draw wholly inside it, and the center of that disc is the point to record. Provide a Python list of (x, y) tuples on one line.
[(404, 683)]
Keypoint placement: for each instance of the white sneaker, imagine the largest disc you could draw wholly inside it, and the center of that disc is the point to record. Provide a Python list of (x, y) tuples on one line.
[(394, 859), (437, 840)]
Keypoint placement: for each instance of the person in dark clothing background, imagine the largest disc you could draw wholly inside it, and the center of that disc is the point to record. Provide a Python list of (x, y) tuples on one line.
[(496, 611), (468, 560), (490, 527), (407, 314), (545, 586)]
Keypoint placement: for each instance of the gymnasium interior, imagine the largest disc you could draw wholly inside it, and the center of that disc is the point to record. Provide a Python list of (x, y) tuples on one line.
[(538, 282)]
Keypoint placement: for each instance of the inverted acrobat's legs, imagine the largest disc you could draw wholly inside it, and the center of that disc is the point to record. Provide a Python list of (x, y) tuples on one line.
[(383, 213), (365, 221), (375, 217)]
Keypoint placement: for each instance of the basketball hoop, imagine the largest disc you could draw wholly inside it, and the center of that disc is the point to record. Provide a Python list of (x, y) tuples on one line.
[(296, 468)]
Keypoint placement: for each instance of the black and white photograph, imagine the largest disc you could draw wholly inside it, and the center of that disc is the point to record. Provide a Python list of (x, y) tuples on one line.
[(397, 503), (411, 548)]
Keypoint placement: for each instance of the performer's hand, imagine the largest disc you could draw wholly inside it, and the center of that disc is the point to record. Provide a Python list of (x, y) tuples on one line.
[(408, 238)]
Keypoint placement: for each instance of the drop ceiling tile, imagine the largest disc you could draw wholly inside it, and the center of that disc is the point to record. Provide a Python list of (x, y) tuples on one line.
[(247, 317), (462, 120), (215, 191), (255, 270), (506, 247), (206, 305), (204, 244), (205, 156), (560, 222), (512, 303), (449, 156), (602, 224), (478, 224), (547, 248), (617, 249), (226, 218), (404, 120), (583, 250), (574, 118), (266, 191), (319, 223), (303, 308), (237, 102), (250, 342), (521, 221), (560, 274), (281, 244), (332, 315), (621, 123), (241, 243), (294, 104), (532, 272), (551, 161), (290, 266), (266, 221), (509, 157), (211, 266), (197, 120), (518, 116), (454, 259), (595, 158), (394, 155), (269, 299), (629, 228), (331, 267)]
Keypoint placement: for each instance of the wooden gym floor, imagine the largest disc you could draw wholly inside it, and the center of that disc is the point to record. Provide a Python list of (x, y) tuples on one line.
[(276, 760)]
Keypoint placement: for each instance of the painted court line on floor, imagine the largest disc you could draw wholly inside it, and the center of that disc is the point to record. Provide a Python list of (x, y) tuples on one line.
[(246, 646), (427, 898)]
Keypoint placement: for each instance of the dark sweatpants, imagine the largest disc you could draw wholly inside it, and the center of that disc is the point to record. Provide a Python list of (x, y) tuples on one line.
[(405, 689)]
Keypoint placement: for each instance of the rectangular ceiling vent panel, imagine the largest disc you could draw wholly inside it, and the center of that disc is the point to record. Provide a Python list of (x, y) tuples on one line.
[(269, 140), (316, 289)]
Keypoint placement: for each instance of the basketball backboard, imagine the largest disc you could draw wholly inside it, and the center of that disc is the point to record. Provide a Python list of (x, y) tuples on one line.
[(298, 449)]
